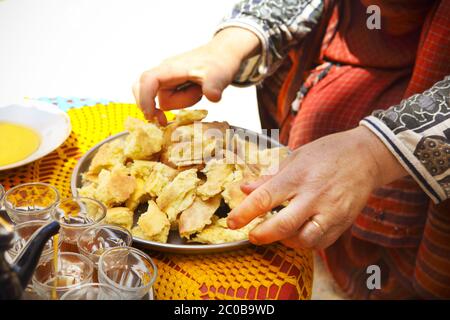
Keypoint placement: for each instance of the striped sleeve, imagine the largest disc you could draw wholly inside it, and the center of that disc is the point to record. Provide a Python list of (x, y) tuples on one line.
[(279, 24), (417, 132)]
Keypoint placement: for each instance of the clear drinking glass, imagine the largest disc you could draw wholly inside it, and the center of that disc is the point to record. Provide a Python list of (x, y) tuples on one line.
[(4, 220), (129, 270), (22, 233), (51, 280), (2, 193), (76, 215), (31, 201), (93, 291), (95, 240)]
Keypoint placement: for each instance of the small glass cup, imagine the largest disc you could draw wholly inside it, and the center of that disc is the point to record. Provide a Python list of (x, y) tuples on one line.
[(31, 201), (2, 193), (76, 215), (22, 234), (95, 240), (72, 270), (128, 269), (93, 291)]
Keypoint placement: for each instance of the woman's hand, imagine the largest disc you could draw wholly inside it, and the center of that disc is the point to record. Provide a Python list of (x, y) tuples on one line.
[(209, 69), (327, 182)]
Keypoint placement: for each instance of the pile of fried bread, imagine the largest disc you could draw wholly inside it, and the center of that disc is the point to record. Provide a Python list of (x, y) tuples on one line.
[(182, 174)]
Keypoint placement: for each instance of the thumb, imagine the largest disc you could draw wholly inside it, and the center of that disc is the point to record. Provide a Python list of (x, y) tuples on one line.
[(213, 86)]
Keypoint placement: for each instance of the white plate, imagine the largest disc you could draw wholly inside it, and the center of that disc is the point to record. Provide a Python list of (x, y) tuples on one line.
[(52, 124)]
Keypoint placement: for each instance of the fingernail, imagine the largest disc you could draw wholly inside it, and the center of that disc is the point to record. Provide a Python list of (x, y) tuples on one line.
[(253, 239), (231, 224)]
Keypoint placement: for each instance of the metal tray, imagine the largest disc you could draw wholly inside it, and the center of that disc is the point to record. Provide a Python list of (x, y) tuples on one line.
[(175, 244)]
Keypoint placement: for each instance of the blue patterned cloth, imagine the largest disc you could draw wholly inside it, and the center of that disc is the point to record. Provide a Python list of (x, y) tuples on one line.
[(73, 102)]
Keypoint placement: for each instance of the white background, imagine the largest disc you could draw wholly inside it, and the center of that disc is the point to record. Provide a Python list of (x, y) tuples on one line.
[(98, 48)]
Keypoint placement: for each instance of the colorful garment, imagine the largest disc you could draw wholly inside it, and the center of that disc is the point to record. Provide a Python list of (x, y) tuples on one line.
[(328, 80)]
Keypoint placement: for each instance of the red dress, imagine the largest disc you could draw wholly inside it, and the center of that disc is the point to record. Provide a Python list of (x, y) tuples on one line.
[(399, 230)]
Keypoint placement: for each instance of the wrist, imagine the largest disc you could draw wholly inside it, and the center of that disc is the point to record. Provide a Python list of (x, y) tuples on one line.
[(386, 167), (235, 43)]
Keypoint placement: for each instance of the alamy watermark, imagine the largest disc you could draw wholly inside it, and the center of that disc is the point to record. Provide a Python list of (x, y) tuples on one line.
[(373, 281), (374, 20)]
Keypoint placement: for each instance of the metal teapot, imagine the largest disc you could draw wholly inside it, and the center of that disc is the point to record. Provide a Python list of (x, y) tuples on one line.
[(15, 277)]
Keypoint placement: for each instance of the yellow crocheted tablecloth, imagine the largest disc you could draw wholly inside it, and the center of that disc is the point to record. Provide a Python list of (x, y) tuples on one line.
[(270, 272)]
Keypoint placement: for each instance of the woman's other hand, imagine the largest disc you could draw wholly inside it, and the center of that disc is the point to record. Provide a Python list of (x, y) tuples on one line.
[(208, 69), (327, 182)]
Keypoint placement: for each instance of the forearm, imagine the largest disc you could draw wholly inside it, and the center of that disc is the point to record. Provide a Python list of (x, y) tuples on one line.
[(238, 42)]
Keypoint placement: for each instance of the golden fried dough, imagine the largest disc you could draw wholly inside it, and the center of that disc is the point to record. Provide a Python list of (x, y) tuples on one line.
[(154, 223), (246, 150), (218, 232), (194, 144), (178, 195), (139, 195), (158, 178), (270, 159), (186, 116), (115, 186), (120, 216), (137, 232), (198, 215), (88, 190), (232, 193), (108, 155), (141, 168), (216, 172), (143, 141)]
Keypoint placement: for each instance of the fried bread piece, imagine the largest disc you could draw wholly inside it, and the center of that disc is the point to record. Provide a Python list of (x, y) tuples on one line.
[(115, 186), (198, 215), (194, 144), (139, 195), (186, 116), (120, 216), (218, 231), (87, 190), (232, 193), (108, 155), (141, 168), (178, 195), (158, 178), (246, 150), (270, 159), (143, 141), (216, 172), (153, 224)]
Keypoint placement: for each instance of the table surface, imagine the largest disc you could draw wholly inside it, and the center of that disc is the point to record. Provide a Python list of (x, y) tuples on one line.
[(98, 48)]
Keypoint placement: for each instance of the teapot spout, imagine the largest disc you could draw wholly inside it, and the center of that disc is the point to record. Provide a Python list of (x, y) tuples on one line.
[(28, 258)]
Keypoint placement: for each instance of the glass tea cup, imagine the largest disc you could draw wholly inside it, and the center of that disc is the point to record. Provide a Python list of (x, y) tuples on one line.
[(95, 240), (31, 201), (51, 280), (2, 193), (129, 270), (93, 291), (76, 215), (22, 234)]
